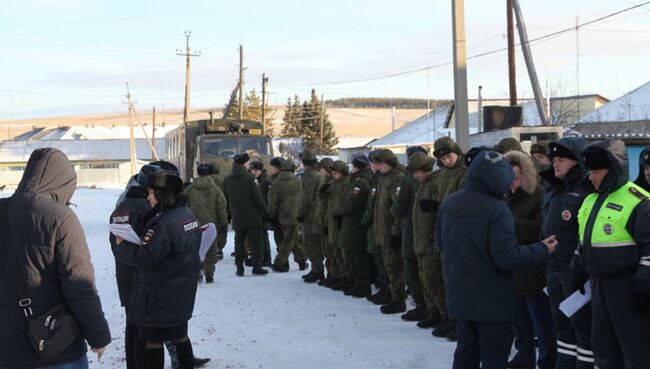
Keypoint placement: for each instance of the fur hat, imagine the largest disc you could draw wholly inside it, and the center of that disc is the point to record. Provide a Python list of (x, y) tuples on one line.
[(277, 162), (508, 144), (204, 169), (256, 164), (327, 164), (413, 149), (165, 165), (421, 161), (444, 146), (241, 158), (471, 154), (387, 156), (288, 166), (144, 172), (528, 172), (540, 147), (373, 156), (165, 180), (360, 160), (341, 167), (308, 156)]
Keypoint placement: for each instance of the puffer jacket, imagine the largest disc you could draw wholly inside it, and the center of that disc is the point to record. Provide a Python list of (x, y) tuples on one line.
[(562, 199), (168, 263), (424, 224), (311, 182), (386, 225), (207, 201), (54, 259), (283, 198), (478, 264), (355, 198)]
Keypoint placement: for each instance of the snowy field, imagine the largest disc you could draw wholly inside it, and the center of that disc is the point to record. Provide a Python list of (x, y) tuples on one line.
[(276, 321)]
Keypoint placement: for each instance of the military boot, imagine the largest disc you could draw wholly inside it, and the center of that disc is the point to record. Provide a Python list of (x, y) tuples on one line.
[(337, 284), (303, 265), (393, 307), (382, 297), (349, 287), (315, 277), (240, 268), (362, 289), (311, 272), (249, 261), (280, 268), (416, 314), (432, 320), (443, 329), (257, 268)]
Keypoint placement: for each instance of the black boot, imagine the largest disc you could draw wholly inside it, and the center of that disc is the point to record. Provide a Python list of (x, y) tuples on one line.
[(185, 355), (393, 307), (443, 329), (315, 277), (249, 261), (257, 268), (198, 362), (349, 287), (325, 282), (417, 314), (155, 358), (240, 268), (382, 297), (311, 272), (267, 263), (432, 320), (362, 289), (280, 268), (338, 284), (303, 266)]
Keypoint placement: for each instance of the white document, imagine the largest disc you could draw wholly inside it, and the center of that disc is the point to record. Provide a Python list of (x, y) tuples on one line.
[(576, 301), (208, 235), (125, 232)]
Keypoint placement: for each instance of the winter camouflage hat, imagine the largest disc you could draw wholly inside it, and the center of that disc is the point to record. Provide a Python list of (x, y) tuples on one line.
[(413, 149), (277, 162), (508, 144), (540, 147), (327, 164), (421, 161), (341, 167), (373, 156), (444, 146), (388, 157)]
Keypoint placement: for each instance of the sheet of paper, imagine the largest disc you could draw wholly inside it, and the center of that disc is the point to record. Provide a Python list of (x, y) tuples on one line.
[(576, 301), (125, 232), (208, 235)]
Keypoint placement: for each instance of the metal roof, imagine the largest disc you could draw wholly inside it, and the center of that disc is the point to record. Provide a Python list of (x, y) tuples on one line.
[(633, 106), (81, 150)]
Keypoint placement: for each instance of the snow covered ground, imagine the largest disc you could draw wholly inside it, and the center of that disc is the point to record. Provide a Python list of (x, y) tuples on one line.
[(276, 321)]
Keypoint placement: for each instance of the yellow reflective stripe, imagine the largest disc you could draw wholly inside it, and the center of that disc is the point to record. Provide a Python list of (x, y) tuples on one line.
[(613, 244)]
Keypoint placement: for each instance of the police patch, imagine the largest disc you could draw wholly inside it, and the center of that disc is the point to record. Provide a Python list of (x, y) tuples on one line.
[(613, 206), (120, 219), (190, 226), (147, 237), (608, 229), (566, 215)]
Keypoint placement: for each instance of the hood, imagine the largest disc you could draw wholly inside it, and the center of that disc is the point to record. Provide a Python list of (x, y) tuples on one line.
[(490, 173), (203, 182), (644, 157), (49, 173), (528, 173), (616, 154)]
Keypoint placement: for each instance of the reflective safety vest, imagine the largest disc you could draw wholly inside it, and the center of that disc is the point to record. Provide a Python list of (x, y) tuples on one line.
[(609, 226)]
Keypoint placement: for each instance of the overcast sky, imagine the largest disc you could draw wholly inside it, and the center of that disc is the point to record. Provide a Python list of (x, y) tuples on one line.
[(74, 56)]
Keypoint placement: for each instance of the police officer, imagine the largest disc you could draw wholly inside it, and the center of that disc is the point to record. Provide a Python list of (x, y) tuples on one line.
[(248, 212), (563, 195), (311, 181), (643, 180), (614, 230)]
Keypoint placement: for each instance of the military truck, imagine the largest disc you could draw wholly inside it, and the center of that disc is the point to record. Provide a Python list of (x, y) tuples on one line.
[(216, 142)]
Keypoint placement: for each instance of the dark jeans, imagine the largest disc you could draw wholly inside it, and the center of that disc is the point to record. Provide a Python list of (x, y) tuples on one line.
[(533, 319), (482, 345)]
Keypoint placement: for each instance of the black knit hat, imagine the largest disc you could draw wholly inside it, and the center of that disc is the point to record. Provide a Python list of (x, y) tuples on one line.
[(204, 169), (596, 157), (360, 160), (241, 158), (645, 157), (165, 180), (277, 162), (413, 149), (256, 164)]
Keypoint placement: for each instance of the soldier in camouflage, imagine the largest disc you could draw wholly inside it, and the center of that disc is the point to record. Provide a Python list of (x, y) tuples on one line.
[(333, 251), (311, 183)]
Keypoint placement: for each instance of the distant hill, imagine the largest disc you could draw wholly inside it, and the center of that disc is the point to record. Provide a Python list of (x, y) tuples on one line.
[(385, 103)]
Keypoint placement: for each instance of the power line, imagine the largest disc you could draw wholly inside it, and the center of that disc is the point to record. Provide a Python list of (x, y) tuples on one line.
[(491, 52)]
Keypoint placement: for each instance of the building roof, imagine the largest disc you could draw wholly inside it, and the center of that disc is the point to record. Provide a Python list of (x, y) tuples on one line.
[(633, 106), (81, 150), (92, 133), (639, 130), (354, 142)]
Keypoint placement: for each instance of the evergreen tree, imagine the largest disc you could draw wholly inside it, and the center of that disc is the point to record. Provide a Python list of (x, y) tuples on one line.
[(292, 120), (252, 109), (304, 121)]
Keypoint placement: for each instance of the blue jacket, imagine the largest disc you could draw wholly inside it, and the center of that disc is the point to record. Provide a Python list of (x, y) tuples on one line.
[(477, 239)]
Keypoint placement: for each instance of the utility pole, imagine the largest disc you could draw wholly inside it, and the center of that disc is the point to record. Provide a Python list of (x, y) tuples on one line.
[(530, 65), (578, 67), (322, 120), (153, 134), (187, 54), (131, 136), (512, 76), (241, 82), (11, 121), (460, 74), (479, 127), (265, 80)]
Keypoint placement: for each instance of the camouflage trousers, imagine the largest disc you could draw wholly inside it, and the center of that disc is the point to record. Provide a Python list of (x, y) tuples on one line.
[(211, 256), (412, 276), (290, 243), (222, 235), (333, 259), (433, 285), (311, 241), (395, 270), (357, 263)]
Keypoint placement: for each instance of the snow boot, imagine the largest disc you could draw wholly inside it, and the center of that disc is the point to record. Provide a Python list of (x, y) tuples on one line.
[(315, 277), (432, 320), (452, 335), (349, 287), (393, 307), (257, 268), (240, 268), (415, 315), (326, 282), (198, 362)]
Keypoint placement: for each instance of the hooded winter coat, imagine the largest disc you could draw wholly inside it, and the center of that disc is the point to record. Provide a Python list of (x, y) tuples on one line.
[(351, 209), (526, 207), (562, 199), (479, 247), (245, 203), (641, 181), (283, 198), (53, 258), (207, 201)]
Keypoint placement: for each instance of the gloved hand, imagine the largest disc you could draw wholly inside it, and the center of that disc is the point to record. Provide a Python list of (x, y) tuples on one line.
[(395, 242), (639, 301), (300, 219), (428, 205), (324, 188)]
